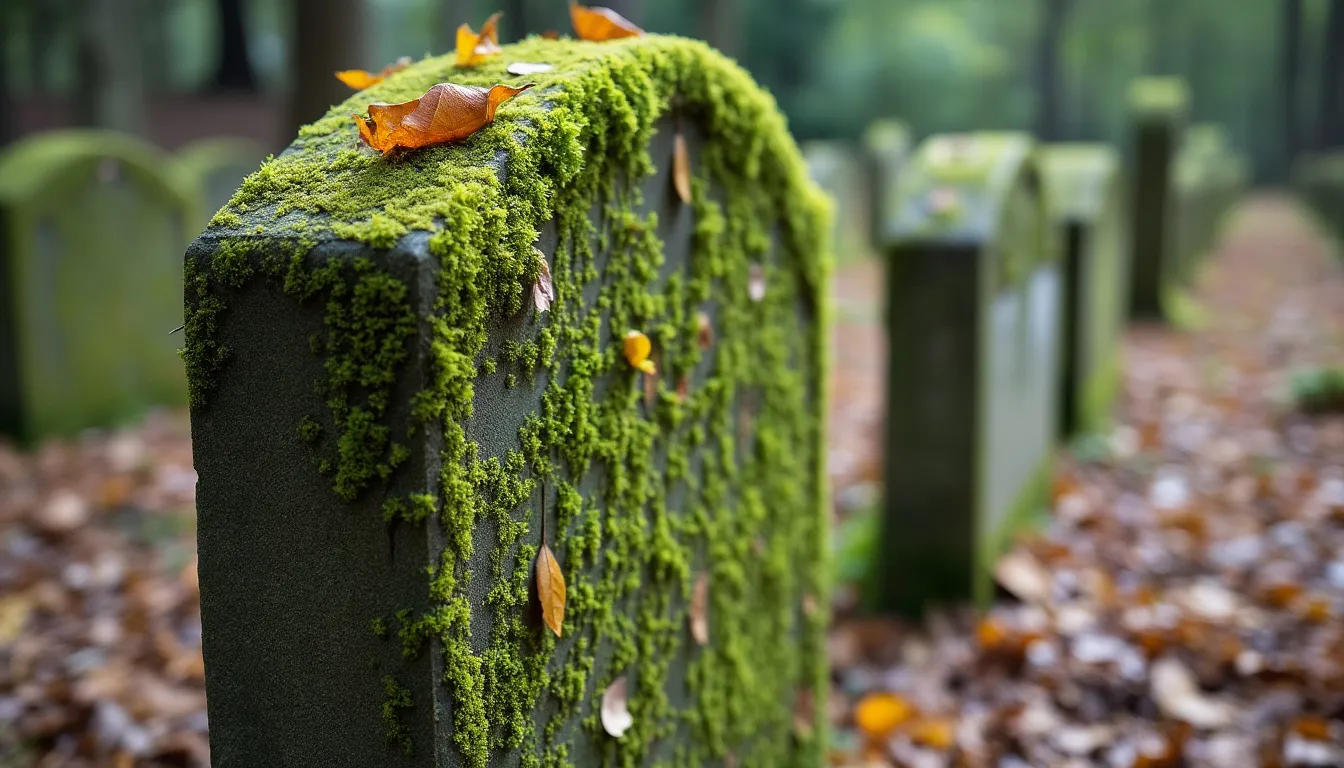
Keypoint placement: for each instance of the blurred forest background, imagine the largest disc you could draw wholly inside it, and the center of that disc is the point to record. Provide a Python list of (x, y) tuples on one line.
[(258, 68)]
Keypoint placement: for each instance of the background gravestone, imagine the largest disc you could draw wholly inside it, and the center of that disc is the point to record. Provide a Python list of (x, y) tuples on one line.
[(216, 167), (92, 226), (973, 302), (835, 168), (1319, 179), (1086, 193), (385, 427), (1158, 106), (886, 146)]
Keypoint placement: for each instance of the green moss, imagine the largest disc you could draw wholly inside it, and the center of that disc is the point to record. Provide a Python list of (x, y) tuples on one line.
[(684, 486), (396, 698), (379, 626)]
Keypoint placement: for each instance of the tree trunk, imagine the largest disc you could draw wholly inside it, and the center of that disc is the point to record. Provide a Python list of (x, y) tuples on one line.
[(109, 90), (1049, 125), (1330, 118), (328, 36), (448, 16), (718, 24), (1290, 72), (516, 23), (234, 71), (7, 127)]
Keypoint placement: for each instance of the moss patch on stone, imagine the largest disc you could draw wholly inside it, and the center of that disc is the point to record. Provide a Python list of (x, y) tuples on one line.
[(684, 484)]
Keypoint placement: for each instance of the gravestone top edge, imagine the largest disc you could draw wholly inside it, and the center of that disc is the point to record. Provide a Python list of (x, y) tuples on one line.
[(35, 161), (1161, 98), (1079, 179)]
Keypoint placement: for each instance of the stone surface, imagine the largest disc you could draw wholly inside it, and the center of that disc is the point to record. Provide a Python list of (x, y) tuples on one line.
[(974, 295), (216, 167), (1159, 107), (838, 170), (92, 225)]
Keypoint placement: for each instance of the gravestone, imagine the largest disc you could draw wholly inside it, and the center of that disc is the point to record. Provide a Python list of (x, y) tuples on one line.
[(1319, 179), (886, 145), (973, 305), (92, 226), (835, 168), (387, 428), (1086, 194), (216, 166), (1158, 107)]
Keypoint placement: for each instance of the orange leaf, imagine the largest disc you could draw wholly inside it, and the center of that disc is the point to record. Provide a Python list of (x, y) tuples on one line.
[(447, 112), (681, 168), (551, 590), (359, 79), (700, 609), (599, 24), (704, 331), (933, 732), (878, 715), (550, 34), (637, 349), (472, 49)]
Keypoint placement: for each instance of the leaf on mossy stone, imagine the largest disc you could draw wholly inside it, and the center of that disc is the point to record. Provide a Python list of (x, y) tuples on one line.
[(543, 291), (616, 717), (681, 168), (699, 612), (704, 331), (360, 79), (878, 715), (550, 34), (650, 386), (637, 350), (447, 112), (598, 24), (528, 68), (551, 590), (756, 282), (473, 48)]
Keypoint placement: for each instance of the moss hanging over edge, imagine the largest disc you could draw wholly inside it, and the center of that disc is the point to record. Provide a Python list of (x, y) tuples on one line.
[(581, 135)]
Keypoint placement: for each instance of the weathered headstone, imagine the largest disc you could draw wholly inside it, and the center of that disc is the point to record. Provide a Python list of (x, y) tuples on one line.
[(92, 226), (835, 168), (1319, 179), (387, 428), (217, 166), (1087, 203), (886, 145), (1158, 106), (973, 302)]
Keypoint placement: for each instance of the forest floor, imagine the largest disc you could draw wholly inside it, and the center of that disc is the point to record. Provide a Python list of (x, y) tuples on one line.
[(1185, 607)]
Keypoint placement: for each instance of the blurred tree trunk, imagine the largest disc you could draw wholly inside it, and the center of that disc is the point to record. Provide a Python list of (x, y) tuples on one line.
[(7, 128), (42, 23), (1330, 117), (328, 36), (1049, 38), (718, 24), (448, 16), (234, 71), (516, 23), (154, 36), (1290, 73), (109, 90)]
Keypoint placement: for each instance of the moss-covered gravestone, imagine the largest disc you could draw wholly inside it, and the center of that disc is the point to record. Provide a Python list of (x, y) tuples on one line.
[(886, 146), (1158, 108), (387, 426), (835, 168), (1319, 179), (216, 167), (92, 226), (973, 304), (1086, 193)]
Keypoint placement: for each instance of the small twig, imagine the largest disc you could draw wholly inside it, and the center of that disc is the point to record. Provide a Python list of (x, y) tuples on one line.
[(178, 328)]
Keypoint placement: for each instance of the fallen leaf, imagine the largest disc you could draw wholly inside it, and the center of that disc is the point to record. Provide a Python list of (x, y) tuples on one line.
[(933, 732), (14, 610), (543, 291), (878, 715), (528, 68), (683, 387), (473, 48), (551, 590), (616, 718), (1024, 576), (360, 79), (681, 168), (699, 613), (704, 331), (1178, 696), (637, 350), (598, 24), (650, 386), (756, 282), (447, 112), (550, 34)]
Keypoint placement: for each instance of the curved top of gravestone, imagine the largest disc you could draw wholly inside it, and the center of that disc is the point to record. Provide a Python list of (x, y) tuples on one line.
[(216, 151), (956, 187), (1080, 179), (36, 162), (887, 137), (1159, 98)]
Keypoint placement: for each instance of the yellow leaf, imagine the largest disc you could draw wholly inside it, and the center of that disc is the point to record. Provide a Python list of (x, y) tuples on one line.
[(359, 79), (14, 610), (878, 715), (933, 732), (551, 590), (600, 24), (681, 168), (472, 48), (637, 350)]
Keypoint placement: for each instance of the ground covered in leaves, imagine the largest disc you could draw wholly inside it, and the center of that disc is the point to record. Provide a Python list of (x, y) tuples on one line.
[(1186, 607)]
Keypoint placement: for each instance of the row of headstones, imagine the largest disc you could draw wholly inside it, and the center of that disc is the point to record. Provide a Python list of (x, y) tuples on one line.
[(92, 227), (1012, 268), (1319, 180)]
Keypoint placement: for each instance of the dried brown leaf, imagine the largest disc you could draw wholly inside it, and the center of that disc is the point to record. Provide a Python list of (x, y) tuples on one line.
[(681, 168), (446, 113), (551, 590), (704, 331), (543, 290), (699, 613)]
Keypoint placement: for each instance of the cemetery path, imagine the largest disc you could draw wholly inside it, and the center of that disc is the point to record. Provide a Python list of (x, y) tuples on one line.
[(1186, 604)]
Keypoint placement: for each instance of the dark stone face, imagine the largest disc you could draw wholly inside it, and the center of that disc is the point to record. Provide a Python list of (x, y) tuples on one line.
[(292, 576)]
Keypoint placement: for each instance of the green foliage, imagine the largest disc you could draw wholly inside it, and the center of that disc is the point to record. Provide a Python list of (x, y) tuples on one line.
[(1317, 390)]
